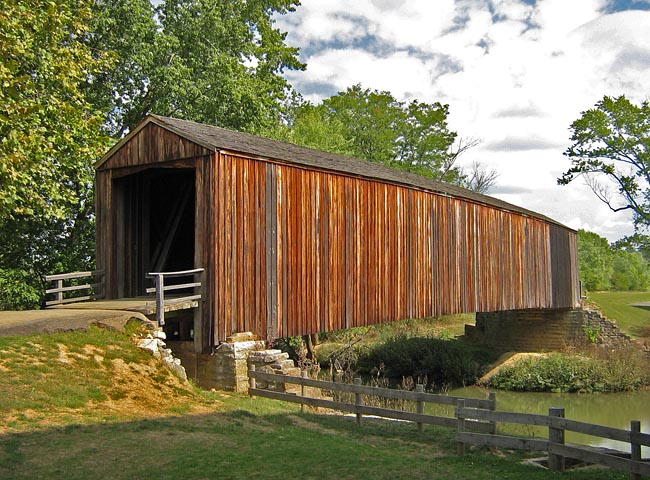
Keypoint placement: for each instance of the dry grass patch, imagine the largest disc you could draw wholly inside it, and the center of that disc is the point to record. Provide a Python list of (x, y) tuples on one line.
[(85, 377)]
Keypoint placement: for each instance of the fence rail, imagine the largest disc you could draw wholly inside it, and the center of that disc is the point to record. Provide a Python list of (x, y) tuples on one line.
[(419, 397), (475, 421), (62, 292), (160, 289), (555, 445)]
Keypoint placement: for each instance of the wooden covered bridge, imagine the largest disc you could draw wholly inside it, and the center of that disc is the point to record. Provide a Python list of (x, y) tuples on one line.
[(296, 241)]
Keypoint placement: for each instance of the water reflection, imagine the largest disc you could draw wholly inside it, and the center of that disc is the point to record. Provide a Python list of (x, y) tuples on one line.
[(610, 409)]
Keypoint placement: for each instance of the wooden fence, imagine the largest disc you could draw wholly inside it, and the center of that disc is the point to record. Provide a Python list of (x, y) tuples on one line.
[(66, 287), (475, 420), (555, 444), (419, 397)]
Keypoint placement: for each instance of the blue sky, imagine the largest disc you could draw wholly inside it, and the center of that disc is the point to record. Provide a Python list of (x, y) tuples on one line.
[(515, 74)]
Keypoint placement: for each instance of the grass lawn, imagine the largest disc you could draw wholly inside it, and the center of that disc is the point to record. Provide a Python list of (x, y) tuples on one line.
[(617, 306), (122, 416)]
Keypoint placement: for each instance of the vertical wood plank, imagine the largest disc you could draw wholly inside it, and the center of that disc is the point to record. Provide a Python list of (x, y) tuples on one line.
[(271, 204)]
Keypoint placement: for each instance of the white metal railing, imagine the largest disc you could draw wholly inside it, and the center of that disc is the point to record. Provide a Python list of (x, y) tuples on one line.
[(160, 288)]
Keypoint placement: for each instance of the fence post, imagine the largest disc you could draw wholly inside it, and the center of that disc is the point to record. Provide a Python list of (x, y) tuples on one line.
[(59, 294), (304, 374), (338, 378), (419, 388), (635, 448), (160, 299), (492, 397), (460, 426), (251, 380), (358, 398), (555, 435)]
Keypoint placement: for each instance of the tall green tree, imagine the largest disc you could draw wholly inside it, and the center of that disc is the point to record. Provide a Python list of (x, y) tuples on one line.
[(596, 260), (611, 150), (50, 134), (620, 266), (375, 126), (74, 72), (218, 62), (631, 271), (636, 242)]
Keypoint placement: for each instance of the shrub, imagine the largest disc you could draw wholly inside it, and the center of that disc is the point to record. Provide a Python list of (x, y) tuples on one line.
[(441, 361), (17, 292), (571, 373)]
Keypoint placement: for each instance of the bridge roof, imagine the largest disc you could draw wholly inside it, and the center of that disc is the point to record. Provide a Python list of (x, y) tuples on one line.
[(216, 138)]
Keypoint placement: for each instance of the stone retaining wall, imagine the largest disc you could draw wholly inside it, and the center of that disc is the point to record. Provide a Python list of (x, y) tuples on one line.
[(603, 331), (544, 330), (227, 367)]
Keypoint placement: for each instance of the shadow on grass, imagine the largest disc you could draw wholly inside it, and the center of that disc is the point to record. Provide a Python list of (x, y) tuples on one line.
[(243, 444)]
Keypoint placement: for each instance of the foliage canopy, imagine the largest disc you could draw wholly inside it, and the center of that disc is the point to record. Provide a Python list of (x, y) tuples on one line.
[(611, 267), (611, 149), (375, 126), (217, 62), (74, 72), (50, 134)]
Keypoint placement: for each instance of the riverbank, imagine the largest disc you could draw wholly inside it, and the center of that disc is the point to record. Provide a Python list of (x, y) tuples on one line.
[(90, 405)]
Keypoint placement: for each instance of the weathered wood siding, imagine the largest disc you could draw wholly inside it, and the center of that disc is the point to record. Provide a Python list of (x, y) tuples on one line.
[(152, 145), (291, 249), (301, 251), (104, 248)]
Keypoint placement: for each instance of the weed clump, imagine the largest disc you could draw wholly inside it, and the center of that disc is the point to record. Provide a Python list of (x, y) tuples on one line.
[(442, 361), (601, 371)]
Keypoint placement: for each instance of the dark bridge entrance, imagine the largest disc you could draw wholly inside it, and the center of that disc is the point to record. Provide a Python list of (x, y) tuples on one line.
[(155, 212)]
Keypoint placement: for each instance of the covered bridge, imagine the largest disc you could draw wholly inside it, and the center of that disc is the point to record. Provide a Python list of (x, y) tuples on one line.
[(296, 241)]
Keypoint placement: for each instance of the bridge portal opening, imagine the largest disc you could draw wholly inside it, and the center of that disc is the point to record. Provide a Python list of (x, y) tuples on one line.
[(155, 225)]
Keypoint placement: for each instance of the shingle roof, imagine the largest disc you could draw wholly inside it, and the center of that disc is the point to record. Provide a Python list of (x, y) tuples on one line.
[(217, 138)]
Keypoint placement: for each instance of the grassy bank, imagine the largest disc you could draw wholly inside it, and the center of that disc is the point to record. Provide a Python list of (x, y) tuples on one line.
[(618, 307), (594, 371), (124, 416)]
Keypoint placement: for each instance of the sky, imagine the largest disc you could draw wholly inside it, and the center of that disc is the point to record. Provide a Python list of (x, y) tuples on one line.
[(515, 74)]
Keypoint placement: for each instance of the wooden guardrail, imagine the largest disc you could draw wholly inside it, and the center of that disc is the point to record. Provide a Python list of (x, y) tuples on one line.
[(65, 288), (419, 397), (475, 421), (555, 444), (161, 288)]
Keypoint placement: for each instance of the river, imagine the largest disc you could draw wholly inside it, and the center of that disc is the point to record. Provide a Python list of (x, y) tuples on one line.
[(610, 409)]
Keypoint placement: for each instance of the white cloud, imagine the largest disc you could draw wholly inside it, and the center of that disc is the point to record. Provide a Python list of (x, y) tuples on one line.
[(340, 68), (516, 77)]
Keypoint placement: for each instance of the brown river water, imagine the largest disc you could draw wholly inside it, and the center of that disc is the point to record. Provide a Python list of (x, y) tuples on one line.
[(610, 409)]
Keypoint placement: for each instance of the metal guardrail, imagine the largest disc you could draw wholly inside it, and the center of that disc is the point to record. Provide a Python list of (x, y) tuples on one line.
[(161, 288), (65, 292)]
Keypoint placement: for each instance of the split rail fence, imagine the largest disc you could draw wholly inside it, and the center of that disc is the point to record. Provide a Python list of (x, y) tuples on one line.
[(475, 421)]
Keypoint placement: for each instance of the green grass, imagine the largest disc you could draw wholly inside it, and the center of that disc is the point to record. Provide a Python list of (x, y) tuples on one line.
[(617, 306), (256, 439), (72, 370), (447, 326), (161, 429)]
